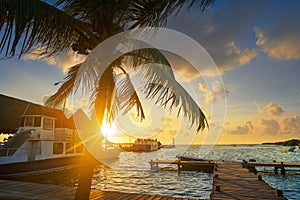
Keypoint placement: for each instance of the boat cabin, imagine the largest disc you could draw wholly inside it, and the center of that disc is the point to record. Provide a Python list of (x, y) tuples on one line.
[(38, 137)]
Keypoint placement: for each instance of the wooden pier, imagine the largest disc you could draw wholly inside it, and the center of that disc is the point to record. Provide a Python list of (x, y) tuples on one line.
[(277, 165), (16, 190), (232, 181)]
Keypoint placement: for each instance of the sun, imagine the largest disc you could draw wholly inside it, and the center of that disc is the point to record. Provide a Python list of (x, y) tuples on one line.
[(107, 129)]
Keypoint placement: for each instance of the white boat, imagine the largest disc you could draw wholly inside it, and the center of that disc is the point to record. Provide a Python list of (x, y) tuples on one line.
[(44, 141), (289, 149), (39, 145)]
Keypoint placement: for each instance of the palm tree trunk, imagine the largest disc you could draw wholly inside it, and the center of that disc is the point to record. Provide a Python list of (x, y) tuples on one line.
[(86, 175)]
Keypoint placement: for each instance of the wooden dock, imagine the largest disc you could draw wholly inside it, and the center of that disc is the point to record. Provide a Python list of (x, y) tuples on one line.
[(232, 181), (16, 190), (277, 165)]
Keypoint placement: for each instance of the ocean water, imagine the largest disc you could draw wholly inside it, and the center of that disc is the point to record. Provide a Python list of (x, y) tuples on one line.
[(131, 172)]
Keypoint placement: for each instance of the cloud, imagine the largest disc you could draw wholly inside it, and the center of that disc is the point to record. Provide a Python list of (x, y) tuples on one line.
[(218, 91), (271, 126), (70, 107), (280, 39), (246, 56), (291, 124), (44, 98), (64, 60), (223, 34), (242, 130), (235, 41), (282, 45), (273, 110), (235, 57)]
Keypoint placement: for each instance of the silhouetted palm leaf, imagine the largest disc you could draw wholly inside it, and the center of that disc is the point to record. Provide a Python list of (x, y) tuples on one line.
[(66, 89), (156, 12), (33, 23)]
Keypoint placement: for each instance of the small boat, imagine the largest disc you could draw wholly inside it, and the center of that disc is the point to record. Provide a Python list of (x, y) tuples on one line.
[(145, 145), (297, 146), (289, 149)]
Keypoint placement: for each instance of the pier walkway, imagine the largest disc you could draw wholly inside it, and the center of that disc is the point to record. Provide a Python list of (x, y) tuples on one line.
[(277, 165), (232, 181), (16, 190)]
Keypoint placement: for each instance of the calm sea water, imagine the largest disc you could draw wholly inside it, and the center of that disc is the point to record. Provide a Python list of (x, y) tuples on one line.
[(131, 172)]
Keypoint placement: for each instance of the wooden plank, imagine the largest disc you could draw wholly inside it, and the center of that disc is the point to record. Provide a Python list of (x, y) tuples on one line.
[(124, 196), (274, 164), (238, 183)]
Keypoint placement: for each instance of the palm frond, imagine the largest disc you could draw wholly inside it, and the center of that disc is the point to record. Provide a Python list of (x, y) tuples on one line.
[(168, 92), (77, 77), (156, 12), (67, 88), (103, 96), (127, 95), (34, 23)]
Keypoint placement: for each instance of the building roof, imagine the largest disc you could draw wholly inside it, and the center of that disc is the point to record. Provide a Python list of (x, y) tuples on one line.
[(11, 109)]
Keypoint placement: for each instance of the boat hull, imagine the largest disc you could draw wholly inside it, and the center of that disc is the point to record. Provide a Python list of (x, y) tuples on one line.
[(38, 166)]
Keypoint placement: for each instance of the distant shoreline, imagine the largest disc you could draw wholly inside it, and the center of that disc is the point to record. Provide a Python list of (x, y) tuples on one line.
[(292, 142)]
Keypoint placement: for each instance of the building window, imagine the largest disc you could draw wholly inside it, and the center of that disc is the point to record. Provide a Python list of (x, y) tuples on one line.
[(58, 148), (37, 121), (29, 121), (48, 124), (79, 148), (69, 148)]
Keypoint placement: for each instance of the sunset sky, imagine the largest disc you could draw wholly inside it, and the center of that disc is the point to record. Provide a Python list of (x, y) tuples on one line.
[(256, 46)]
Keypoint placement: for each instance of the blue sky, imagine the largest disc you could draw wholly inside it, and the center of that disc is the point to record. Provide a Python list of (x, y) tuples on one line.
[(255, 45)]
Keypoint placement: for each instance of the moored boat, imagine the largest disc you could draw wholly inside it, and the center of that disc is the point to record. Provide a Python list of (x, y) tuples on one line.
[(145, 145), (38, 145), (289, 149), (44, 141)]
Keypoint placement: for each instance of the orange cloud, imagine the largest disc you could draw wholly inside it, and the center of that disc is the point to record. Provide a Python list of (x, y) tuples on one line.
[(279, 45), (291, 124), (271, 126), (242, 130), (64, 60), (218, 91), (273, 110)]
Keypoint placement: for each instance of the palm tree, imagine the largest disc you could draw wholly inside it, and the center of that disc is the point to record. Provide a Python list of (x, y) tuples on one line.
[(57, 26)]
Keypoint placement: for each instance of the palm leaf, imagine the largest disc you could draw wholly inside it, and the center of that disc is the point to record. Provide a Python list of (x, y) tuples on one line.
[(67, 88), (34, 23), (156, 12), (103, 96), (127, 95), (167, 91)]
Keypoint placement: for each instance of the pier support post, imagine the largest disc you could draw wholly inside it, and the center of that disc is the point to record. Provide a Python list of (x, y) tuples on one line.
[(279, 193), (178, 165), (276, 170), (154, 166), (282, 168), (218, 188), (259, 177), (282, 171)]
